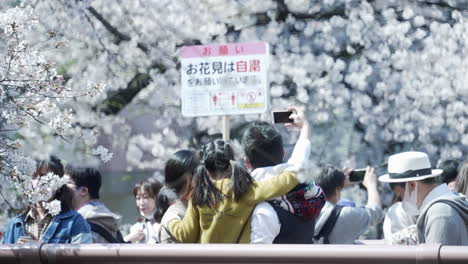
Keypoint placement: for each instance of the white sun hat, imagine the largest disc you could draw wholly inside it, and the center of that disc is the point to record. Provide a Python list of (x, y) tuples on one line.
[(409, 166)]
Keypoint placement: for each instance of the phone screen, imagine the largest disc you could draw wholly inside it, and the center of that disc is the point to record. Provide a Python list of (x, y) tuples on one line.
[(282, 117), (357, 175)]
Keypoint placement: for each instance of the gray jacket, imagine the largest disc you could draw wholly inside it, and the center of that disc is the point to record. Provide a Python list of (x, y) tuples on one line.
[(444, 220), (175, 211), (351, 223), (96, 212)]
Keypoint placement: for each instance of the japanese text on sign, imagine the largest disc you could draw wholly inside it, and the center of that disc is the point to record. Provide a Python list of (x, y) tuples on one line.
[(224, 79)]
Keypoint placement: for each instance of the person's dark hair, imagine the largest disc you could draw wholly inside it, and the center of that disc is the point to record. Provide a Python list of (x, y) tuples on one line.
[(53, 164), (151, 186), (64, 194), (263, 145), (178, 173), (449, 170), (218, 159), (461, 183), (431, 180), (395, 184), (86, 177), (329, 179)]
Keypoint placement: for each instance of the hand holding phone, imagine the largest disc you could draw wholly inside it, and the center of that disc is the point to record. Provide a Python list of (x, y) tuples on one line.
[(357, 175), (282, 117), (370, 180)]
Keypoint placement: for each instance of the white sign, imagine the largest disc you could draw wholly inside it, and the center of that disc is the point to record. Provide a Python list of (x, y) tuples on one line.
[(227, 79)]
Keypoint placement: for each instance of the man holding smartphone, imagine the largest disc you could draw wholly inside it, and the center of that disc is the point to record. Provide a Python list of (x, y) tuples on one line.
[(288, 219), (343, 225)]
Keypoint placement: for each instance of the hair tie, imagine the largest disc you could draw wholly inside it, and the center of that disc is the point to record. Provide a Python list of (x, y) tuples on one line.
[(233, 165)]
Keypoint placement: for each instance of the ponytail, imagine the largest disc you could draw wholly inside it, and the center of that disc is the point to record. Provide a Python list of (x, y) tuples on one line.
[(205, 193), (240, 179), (218, 157)]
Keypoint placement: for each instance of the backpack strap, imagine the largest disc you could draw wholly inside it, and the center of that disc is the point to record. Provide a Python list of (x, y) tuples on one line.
[(120, 238), (106, 234), (168, 233), (328, 227)]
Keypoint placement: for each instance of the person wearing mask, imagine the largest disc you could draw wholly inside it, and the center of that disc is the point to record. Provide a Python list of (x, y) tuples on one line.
[(443, 214), (399, 225)]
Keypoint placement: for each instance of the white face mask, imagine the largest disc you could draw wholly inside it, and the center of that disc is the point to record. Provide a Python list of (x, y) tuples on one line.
[(410, 201)]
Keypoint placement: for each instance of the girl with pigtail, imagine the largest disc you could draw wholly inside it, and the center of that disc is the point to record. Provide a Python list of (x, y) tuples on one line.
[(224, 197)]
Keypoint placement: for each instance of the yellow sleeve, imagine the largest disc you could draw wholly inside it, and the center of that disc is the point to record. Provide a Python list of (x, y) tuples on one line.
[(274, 187), (187, 229)]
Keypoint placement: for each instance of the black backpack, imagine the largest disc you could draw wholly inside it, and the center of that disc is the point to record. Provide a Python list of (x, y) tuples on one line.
[(328, 227), (294, 229), (106, 234)]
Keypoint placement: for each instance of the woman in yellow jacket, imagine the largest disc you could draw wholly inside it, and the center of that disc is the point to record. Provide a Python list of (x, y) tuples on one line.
[(224, 198)]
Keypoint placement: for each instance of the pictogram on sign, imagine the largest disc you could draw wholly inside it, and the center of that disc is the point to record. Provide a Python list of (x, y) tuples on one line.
[(226, 79)]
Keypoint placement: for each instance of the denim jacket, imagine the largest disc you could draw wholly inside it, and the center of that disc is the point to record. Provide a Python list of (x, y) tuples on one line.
[(67, 227)]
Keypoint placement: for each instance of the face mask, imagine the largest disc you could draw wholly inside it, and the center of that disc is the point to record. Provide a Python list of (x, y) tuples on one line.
[(410, 201)]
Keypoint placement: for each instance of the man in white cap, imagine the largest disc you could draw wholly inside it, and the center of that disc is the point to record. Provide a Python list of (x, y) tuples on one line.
[(443, 215)]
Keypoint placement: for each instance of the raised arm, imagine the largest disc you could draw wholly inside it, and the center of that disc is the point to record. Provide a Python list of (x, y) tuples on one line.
[(301, 152), (370, 182)]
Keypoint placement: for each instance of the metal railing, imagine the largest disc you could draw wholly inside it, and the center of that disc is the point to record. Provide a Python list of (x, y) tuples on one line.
[(229, 253)]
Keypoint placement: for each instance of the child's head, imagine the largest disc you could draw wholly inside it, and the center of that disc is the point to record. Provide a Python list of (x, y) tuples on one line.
[(331, 180), (178, 175), (145, 193), (179, 170), (263, 145), (217, 162)]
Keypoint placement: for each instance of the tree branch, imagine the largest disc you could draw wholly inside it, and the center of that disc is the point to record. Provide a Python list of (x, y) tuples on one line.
[(120, 36)]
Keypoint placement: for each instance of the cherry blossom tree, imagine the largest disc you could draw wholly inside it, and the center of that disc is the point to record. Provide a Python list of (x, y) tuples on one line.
[(35, 120), (376, 77)]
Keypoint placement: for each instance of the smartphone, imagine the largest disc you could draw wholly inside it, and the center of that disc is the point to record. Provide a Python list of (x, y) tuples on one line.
[(282, 117), (357, 175)]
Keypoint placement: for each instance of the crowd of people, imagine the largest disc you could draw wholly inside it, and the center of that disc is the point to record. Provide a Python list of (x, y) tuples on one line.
[(210, 197)]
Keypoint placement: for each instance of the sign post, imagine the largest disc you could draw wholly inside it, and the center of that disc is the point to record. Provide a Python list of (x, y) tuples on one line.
[(224, 79), (226, 128)]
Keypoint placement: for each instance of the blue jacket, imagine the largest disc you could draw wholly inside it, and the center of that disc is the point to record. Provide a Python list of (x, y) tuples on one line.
[(67, 227)]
